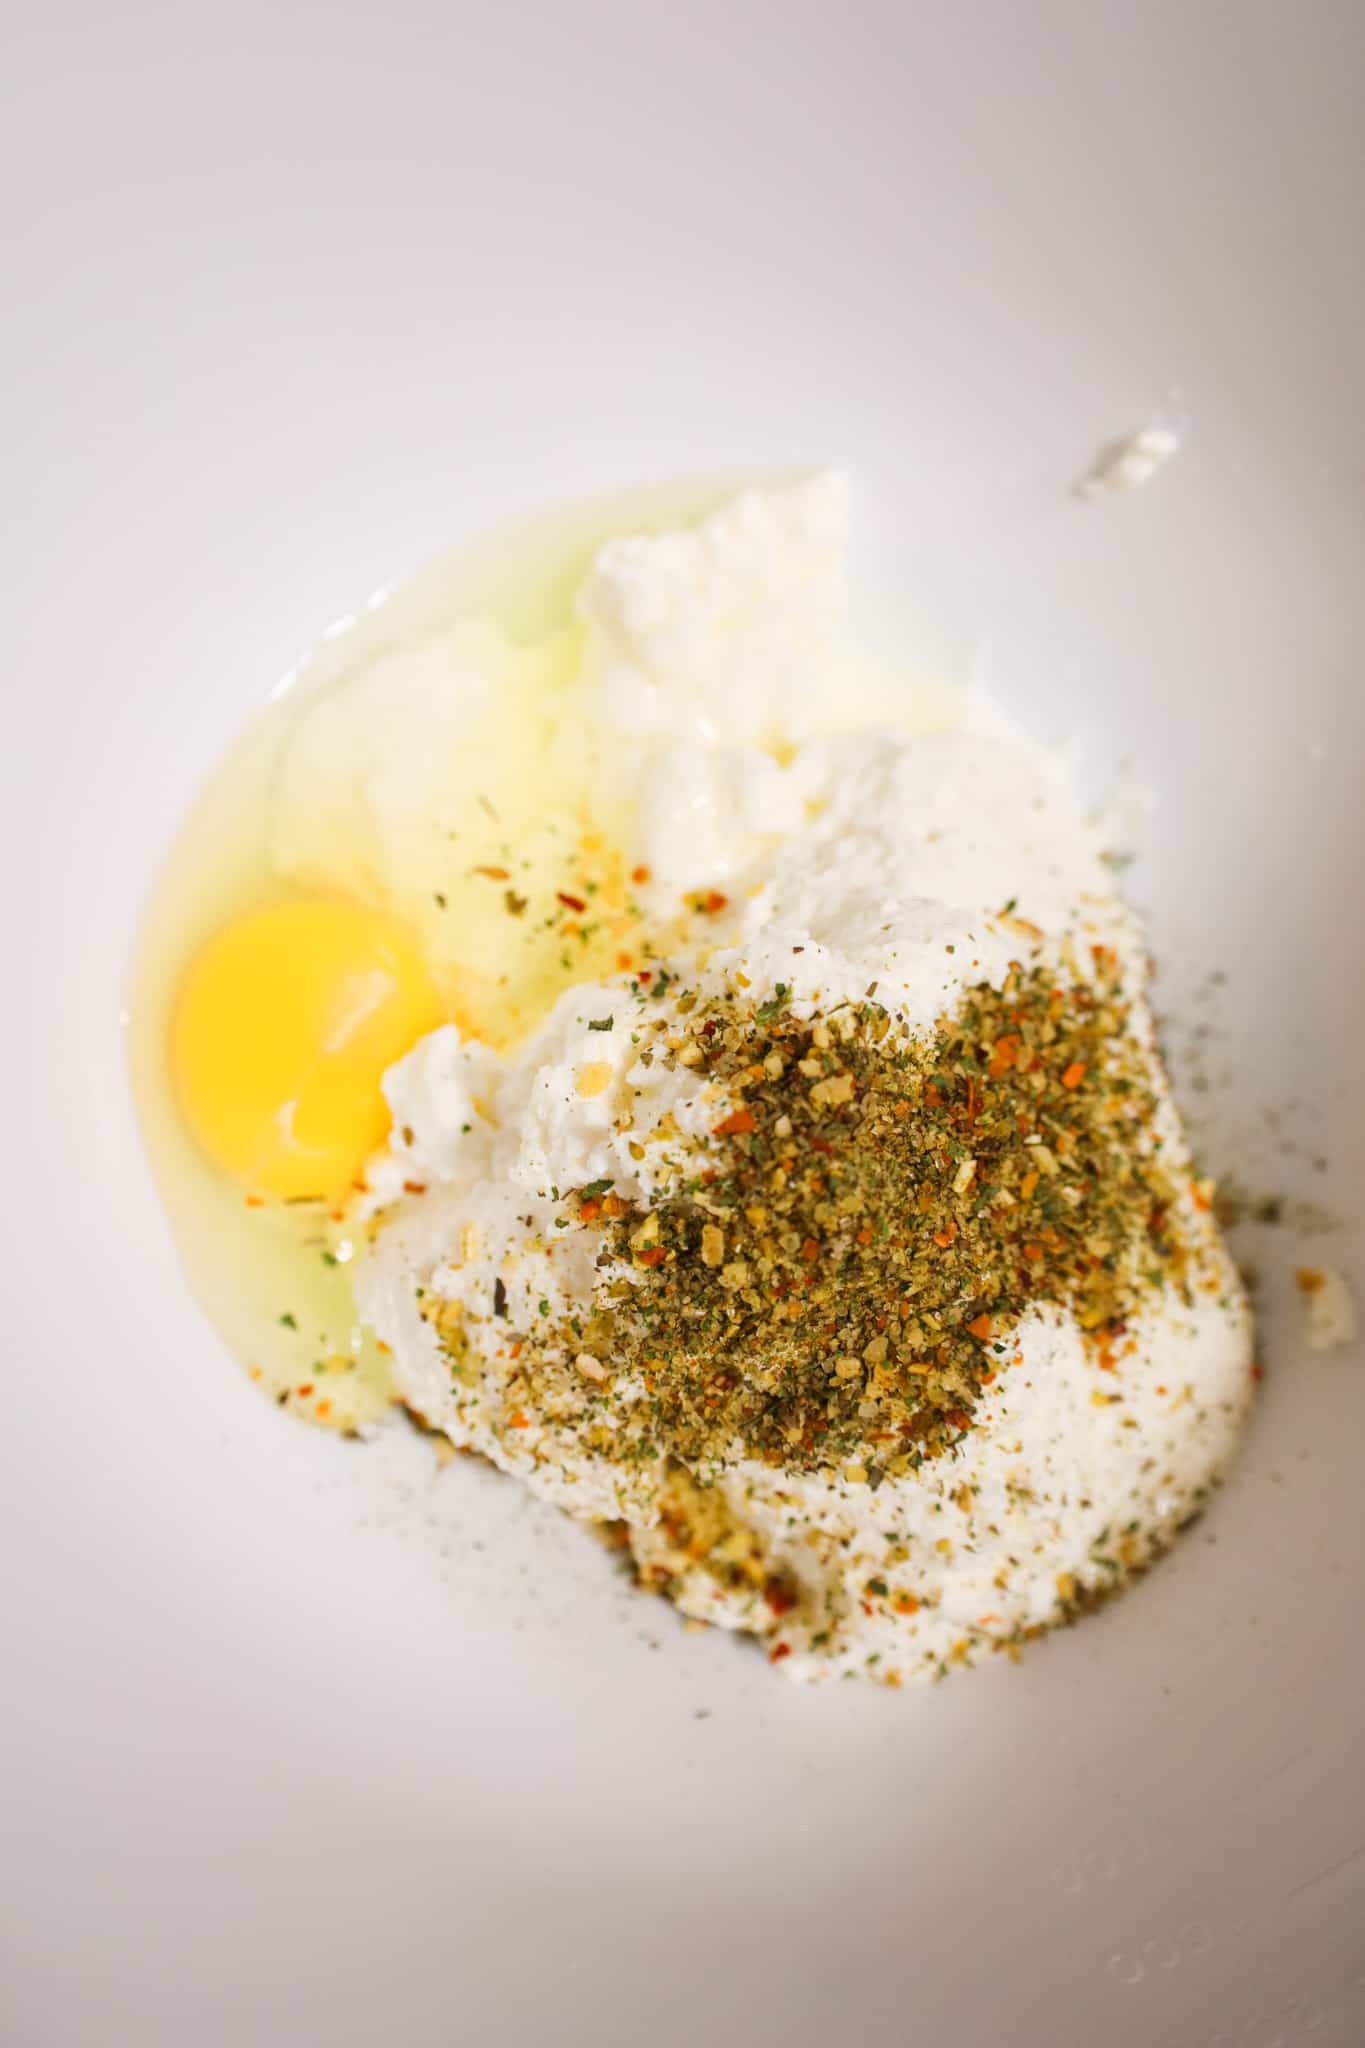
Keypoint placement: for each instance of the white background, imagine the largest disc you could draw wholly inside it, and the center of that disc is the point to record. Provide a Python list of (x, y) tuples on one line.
[(301, 1744)]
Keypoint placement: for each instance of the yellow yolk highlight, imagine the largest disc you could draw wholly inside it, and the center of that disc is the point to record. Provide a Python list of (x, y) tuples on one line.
[(281, 1032)]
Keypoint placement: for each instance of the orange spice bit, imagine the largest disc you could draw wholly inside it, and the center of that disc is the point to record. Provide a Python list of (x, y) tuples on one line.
[(981, 1326), (943, 1238), (255, 1371), (906, 1603), (1074, 1074), (305, 1390), (623, 963), (494, 874), (639, 876), (414, 1187), (1309, 1280), (255, 1202), (810, 1250), (614, 1207), (1034, 1252), (323, 1410), (652, 1255), (589, 1211), (571, 902), (1028, 1184), (1004, 1054), (518, 1420), (865, 1234), (734, 1125), (778, 1652), (1258, 1372)]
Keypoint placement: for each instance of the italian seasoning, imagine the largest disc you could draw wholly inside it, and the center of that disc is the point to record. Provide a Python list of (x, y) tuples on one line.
[(840, 1268)]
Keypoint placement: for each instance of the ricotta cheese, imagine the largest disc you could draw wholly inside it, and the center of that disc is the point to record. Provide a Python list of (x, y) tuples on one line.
[(880, 865)]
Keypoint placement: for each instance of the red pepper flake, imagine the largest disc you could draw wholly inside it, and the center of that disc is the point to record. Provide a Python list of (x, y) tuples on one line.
[(653, 1255), (714, 902), (981, 1326), (1258, 1372), (1074, 1074), (571, 902), (639, 876), (414, 1187), (956, 1418), (778, 1652), (588, 1212), (810, 1250), (734, 1125), (1034, 1252), (865, 1234), (305, 1390), (645, 974), (779, 1596), (820, 1145)]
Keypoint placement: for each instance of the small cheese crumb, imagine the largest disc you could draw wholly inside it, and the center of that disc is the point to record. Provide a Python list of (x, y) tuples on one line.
[(1124, 465), (1332, 1320)]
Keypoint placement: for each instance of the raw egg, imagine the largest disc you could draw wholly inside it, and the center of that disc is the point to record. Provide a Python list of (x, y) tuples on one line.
[(281, 1031)]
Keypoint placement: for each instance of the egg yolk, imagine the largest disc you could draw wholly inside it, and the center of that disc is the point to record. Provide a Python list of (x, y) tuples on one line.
[(282, 1029)]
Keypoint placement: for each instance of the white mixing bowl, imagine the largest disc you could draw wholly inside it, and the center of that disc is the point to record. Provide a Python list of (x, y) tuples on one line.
[(302, 1742)]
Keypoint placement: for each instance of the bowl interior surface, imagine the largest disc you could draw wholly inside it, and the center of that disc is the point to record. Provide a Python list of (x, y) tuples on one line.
[(308, 1740)]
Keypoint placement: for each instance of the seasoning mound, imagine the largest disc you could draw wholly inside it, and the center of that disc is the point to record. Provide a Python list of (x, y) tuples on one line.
[(839, 1268)]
